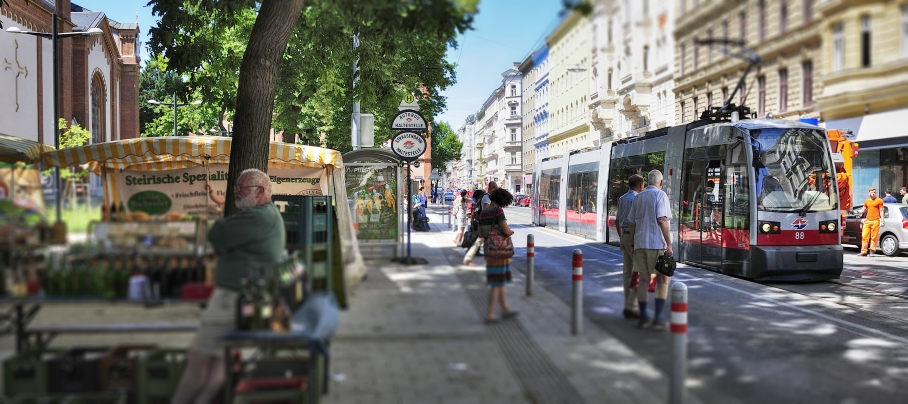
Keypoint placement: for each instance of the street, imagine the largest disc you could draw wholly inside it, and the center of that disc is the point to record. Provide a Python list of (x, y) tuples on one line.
[(841, 341)]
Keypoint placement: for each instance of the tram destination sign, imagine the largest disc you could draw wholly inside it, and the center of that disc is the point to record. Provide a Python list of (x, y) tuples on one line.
[(408, 145), (409, 120)]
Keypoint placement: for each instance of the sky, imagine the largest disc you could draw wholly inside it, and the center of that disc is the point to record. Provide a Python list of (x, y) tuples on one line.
[(504, 32)]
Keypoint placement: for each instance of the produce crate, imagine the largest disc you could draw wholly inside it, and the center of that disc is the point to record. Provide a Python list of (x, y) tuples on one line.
[(74, 371), (118, 368), (271, 391), (27, 372), (96, 398), (158, 375), (308, 221), (38, 398)]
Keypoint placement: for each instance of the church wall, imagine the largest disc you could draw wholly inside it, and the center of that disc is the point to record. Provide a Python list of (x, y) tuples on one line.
[(99, 61), (22, 89)]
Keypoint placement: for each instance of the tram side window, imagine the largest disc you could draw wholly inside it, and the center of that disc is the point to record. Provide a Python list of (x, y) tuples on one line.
[(549, 188), (737, 190), (620, 170)]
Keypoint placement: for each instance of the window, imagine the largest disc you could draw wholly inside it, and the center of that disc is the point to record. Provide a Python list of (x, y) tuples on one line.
[(646, 7), (783, 16), (609, 31), (807, 76), (683, 57), (761, 20), (683, 9), (696, 55), (513, 158), (513, 134), (513, 91), (865, 41), (645, 58), (761, 96), (724, 95), (696, 106), (98, 102), (742, 26), (709, 37), (683, 115), (725, 33), (783, 90), (513, 110), (905, 30), (808, 10), (838, 47), (742, 93), (609, 79)]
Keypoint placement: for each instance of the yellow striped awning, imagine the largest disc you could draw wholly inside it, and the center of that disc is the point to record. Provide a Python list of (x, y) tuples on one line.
[(164, 153), (15, 149)]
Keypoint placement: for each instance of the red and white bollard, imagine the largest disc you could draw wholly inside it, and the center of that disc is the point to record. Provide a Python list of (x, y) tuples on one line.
[(577, 293), (531, 263), (679, 341)]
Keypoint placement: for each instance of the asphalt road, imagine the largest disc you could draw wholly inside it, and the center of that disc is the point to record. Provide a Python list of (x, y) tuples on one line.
[(843, 341)]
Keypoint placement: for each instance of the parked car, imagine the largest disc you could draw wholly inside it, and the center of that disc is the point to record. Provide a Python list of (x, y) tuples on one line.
[(449, 197), (518, 198), (893, 231), (525, 201)]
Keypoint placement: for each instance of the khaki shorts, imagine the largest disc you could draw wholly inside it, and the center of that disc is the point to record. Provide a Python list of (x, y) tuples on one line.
[(645, 260), (217, 319)]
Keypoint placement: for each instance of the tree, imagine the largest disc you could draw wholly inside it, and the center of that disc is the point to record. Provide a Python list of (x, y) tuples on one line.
[(445, 147), (402, 51)]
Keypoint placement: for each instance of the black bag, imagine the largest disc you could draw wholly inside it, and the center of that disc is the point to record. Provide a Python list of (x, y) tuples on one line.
[(665, 265), (468, 239)]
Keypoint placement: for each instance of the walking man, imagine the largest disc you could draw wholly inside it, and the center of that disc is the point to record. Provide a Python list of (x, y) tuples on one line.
[(649, 219), (904, 192), (889, 198), (870, 231), (635, 182)]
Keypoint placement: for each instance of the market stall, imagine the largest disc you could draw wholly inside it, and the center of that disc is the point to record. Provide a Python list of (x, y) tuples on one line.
[(161, 193), (23, 224)]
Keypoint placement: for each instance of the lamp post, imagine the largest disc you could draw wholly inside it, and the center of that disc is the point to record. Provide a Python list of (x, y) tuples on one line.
[(59, 227), (175, 106)]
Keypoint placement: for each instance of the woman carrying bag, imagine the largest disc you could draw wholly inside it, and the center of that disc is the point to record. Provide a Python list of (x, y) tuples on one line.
[(493, 227)]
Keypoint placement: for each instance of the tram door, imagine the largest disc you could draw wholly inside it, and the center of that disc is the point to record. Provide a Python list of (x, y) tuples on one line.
[(702, 211)]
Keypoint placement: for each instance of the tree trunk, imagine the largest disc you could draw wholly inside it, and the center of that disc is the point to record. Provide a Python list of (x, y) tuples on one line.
[(255, 92)]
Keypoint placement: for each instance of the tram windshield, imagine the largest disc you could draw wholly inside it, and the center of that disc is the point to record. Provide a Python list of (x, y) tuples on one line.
[(798, 175)]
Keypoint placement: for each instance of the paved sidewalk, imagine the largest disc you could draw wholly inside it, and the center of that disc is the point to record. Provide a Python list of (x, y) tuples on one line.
[(414, 334)]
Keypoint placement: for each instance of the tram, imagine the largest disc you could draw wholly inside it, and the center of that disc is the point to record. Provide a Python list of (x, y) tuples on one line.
[(753, 198)]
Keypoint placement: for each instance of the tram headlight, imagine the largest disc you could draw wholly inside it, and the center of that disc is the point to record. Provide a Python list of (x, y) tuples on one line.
[(768, 227), (828, 226)]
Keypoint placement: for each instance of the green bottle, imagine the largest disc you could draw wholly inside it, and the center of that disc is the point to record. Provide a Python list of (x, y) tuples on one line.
[(262, 306)]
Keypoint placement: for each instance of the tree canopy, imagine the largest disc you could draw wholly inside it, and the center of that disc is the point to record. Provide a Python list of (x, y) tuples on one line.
[(297, 61)]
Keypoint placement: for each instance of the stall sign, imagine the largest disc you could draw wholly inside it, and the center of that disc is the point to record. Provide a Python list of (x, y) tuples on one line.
[(21, 193), (178, 193)]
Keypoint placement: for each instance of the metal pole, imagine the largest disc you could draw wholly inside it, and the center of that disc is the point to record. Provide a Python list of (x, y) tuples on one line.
[(175, 106), (409, 208), (354, 127), (679, 343), (53, 40), (577, 293), (531, 263)]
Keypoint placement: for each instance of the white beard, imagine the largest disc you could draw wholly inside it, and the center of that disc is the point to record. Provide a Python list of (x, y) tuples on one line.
[(246, 202)]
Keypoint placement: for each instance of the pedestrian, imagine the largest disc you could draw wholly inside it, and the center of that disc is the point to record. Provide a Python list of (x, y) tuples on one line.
[(485, 201), (889, 198), (649, 219), (498, 270), (474, 227), (870, 230), (635, 182), (904, 192), (461, 209), (423, 200), (250, 239)]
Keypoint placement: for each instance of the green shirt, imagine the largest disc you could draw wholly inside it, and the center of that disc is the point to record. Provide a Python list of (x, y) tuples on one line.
[(247, 242)]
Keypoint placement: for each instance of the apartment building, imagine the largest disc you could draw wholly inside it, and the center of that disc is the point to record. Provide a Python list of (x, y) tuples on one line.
[(865, 85), (784, 33), (569, 60), (535, 103), (463, 172), (631, 81)]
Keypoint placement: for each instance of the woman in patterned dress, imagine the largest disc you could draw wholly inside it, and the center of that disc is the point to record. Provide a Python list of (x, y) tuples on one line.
[(498, 270)]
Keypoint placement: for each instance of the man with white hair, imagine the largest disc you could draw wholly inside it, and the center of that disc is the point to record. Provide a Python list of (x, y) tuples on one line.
[(649, 219), (249, 240)]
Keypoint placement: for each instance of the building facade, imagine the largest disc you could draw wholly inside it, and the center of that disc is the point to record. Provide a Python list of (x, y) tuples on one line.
[(569, 58), (535, 100), (631, 82), (785, 34), (464, 170), (98, 75), (865, 86)]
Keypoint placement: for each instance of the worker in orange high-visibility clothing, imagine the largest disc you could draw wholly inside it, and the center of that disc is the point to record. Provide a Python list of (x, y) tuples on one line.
[(872, 212)]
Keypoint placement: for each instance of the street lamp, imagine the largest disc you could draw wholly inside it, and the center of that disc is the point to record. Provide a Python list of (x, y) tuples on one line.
[(59, 227), (175, 106)]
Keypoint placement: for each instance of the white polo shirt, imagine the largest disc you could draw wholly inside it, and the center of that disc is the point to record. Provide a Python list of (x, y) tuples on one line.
[(647, 207)]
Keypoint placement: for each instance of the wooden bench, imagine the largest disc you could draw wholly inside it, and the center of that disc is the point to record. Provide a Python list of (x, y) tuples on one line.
[(39, 336)]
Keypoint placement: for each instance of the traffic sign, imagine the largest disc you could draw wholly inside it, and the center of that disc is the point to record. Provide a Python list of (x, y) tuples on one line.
[(409, 102), (409, 120), (408, 145)]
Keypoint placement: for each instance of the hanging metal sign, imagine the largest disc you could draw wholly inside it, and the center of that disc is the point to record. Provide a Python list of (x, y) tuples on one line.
[(408, 145), (410, 120)]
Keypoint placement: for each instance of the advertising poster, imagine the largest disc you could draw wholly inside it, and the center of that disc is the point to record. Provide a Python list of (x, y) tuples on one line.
[(21, 195), (182, 193), (373, 189)]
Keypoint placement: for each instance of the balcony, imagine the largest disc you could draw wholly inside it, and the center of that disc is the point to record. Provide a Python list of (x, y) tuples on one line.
[(513, 146)]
